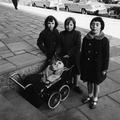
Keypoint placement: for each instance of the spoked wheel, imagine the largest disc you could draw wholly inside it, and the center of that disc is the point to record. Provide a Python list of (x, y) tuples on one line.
[(54, 100), (64, 91)]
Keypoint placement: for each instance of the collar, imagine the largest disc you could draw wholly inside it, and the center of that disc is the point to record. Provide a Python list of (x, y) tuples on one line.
[(99, 37)]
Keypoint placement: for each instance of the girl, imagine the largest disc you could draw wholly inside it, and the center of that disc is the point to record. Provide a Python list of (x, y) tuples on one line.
[(49, 38), (70, 42), (94, 60)]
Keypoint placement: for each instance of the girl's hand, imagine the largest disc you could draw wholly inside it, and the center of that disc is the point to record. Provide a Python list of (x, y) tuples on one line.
[(66, 56), (104, 72)]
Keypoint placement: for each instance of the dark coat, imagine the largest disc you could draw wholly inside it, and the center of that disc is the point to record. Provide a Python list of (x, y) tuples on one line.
[(94, 58), (48, 42), (70, 43)]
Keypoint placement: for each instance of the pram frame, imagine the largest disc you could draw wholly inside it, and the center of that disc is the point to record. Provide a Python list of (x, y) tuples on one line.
[(44, 92)]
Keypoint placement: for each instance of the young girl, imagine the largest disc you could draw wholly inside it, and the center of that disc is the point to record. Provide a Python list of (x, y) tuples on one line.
[(70, 42), (94, 60), (49, 38)]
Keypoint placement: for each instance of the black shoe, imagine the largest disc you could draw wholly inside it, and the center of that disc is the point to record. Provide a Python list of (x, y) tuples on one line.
[(86, 100), (93, 104), (16, 8), (77, 89)]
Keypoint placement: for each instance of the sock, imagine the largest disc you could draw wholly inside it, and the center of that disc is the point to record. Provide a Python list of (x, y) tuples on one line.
[(95, 98)]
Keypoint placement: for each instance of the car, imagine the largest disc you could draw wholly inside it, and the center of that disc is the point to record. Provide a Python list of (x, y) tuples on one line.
[(48, 3), (85, 6), (114, 11)]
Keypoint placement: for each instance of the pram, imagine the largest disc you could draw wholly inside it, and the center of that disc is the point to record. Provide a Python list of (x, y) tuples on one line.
[(52, 85)]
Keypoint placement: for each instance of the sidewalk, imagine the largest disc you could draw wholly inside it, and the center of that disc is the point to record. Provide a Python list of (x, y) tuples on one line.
[(19, 31)]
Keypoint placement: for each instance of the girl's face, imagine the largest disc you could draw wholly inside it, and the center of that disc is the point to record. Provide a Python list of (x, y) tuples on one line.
[(96, 27), (70, 26), (51, 25)]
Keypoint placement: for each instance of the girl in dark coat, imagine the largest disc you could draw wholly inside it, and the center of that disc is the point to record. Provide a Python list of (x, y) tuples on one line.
[(94, 60), (70, 42), (49, 38)]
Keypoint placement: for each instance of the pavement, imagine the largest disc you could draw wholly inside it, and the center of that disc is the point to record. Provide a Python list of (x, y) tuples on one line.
[(19, 31)]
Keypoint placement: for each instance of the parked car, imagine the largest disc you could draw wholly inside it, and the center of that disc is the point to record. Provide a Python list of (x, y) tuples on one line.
[(114, 11), (47, 3), (85, 6)]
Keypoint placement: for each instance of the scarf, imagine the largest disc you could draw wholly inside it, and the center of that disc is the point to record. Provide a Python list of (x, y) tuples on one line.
[(92, 36)]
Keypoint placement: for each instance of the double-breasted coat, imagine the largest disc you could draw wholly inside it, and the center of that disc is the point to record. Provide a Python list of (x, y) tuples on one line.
[(70, 43), (94, 58)]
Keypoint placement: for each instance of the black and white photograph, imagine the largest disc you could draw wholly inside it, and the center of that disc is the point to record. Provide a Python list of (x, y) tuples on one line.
[(59, 59)]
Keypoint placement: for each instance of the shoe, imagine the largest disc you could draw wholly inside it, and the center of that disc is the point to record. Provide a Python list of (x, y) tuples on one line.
[(93, 104), (77, 89), (86, 100), (16, 8)]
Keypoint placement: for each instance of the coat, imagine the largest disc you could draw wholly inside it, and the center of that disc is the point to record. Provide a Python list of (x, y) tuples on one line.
[(70, 43), (94, 58), (48, 42)]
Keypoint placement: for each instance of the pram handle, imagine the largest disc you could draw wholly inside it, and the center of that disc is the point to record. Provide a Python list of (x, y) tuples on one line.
[(12, 77)]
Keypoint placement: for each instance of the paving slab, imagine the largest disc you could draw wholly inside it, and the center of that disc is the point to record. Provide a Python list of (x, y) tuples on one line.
[(2, 44), (3, 49), (52, 112), (3, 62), (72, 114), (108, 86), (107, 109), (73, 100), (114, 75), (32, 42), (113, 66), (19, 52), (5, 55), (2, 35), (115, 96), (1, 27), (17, 46), (15, 107), (7, 67), (116, 59), (13, 39), (24, 60)]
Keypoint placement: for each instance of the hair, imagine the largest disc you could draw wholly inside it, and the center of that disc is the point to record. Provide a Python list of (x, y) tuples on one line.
[(50, 18), (99, 19), (67, 21)]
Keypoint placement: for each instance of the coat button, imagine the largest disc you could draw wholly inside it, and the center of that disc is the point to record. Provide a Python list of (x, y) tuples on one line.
[(89, 44), (88, 58), (96, 52), (89, 51)]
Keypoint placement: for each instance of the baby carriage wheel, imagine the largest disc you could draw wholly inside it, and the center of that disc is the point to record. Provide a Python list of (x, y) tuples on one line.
[(54, 100), (64, 91)]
